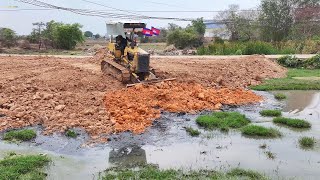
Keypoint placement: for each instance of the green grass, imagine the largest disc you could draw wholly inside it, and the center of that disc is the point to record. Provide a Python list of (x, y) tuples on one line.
[(270, 113), (71, 134), (307, 142), (222, 120), (260, 131), (249, 174), (295, 123), (151, 172), (280, 96), (289, 83), (23, 167), (20, 135), (192, 132)]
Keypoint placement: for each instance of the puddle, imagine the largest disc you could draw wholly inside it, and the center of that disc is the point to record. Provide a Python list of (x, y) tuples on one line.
[(168, 145)]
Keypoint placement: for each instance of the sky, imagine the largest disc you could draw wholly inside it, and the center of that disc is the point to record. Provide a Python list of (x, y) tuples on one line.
[(21, 21)]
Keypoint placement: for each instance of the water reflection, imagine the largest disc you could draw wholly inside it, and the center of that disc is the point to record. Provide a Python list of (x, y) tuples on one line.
[(128, 156)]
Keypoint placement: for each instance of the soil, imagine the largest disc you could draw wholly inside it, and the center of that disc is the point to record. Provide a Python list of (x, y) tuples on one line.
[(63, 93), (133, 109), (57, 93), (228, 72)]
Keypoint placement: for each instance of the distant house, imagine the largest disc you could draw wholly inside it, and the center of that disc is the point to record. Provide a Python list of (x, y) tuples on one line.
[(215, 30)]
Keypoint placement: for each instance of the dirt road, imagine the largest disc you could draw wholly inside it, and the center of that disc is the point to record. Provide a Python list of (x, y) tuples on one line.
[(62, 93)]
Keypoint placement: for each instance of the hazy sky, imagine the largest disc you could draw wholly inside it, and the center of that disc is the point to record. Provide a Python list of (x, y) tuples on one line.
[(21, 21)]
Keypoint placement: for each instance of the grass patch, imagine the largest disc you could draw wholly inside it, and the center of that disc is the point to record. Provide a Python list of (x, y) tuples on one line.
[(260, 131), (307, 142), (20, 135), (151, 172), (295, 123), (23, 167), (249, 174), (192, 132), (71, 134), (270, 155), (222, 120), (280, 96), (290, 83), (270, 113)]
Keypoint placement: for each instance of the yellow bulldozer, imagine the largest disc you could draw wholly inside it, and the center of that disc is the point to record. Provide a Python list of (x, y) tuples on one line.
[(125, 60)]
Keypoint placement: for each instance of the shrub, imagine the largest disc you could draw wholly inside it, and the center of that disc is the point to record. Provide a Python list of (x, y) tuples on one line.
[(313, 63), (260, 131), (295, 123), (270, 113), (290, 61), (182, 38), (259, 47), (307, 142), (21, 135), (222, 120)]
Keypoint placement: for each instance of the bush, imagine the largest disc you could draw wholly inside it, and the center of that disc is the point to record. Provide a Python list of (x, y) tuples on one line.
[(222, 120), (7, 37), (260, 131), (182, 39), (295, 123), (259, 47), (270, 113), (21, 135), (290, 61), (313, 63)]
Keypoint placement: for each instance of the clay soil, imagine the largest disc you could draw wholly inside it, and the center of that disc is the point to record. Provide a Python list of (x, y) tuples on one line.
[(221, 72), (62, 93)]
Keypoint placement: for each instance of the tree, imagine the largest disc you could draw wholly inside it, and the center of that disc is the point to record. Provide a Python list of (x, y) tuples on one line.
[(240, 25), (182, 38), (276, 19), (7, 37), (88, 34), (306, 22), (199, 26), (172, 27), (66, 36)]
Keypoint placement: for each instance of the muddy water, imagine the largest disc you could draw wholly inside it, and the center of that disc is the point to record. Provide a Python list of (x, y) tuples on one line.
[(168, 145)]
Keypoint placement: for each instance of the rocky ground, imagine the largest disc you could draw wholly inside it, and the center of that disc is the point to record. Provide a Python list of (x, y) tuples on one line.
[(63, 93)]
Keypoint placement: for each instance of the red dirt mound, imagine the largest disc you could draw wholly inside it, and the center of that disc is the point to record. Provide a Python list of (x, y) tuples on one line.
[(134, 108)]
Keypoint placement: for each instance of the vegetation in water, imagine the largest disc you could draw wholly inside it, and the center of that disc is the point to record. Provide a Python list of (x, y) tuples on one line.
[(192, 132), (23, 167), (20, 135), (295, 123), (270, 113), (151, 172), (307, 142), (260, 131), (222, 120)]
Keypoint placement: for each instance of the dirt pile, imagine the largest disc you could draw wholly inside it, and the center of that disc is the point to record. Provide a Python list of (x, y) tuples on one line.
[(134, 108), (56, 93), (220, 71)]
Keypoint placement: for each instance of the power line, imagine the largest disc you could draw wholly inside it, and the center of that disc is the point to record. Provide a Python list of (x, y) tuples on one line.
[(109, 7), (102, 14)]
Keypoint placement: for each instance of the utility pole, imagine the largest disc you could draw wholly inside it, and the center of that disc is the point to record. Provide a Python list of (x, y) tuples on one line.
[(40, 25)]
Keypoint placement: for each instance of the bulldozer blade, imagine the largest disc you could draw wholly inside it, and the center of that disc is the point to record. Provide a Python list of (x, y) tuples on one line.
[(151, 82)]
